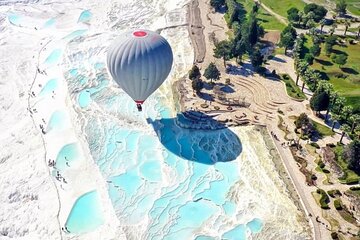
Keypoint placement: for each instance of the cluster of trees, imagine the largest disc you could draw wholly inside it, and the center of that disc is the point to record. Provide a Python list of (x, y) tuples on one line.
[(307, 18), (303, 123), (211, 73), (247, 33), (352, 155)]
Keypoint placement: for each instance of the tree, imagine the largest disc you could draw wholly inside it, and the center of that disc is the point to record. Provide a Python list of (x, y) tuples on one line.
[(300, 69), (344, 129), (339, 59), (223, 50), (335, 119), (322, 24), (315, 50), (347, 110), (197, 85), (339, 104), (255, 31), (194, 72), (352, 154), (347, 25), (257, 59), (355, 120), (293, 14), (239, 49), (211, 72), (328, 49), (217, 4), (309, 58), (331, 40), (319, 101), (304, 123), (286, 41), (340, 8), (319, 11)]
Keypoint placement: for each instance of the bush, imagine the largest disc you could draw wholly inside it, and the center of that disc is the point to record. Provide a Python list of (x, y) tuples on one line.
[(285, 76), (337, 204), (331, 145), (216, 107), (324, 200), (340, 75), (334, 235), (355, 188), (333, 193), (352, 181), (321, 164), (204, 105), (314, 144), (325, 170)]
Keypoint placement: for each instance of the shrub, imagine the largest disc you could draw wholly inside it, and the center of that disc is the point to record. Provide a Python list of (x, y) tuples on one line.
[(321, 164), (204, 105), (337, 204), (324, 199), (314, 144), (325, 170), (340, 75), (333, 193), (352, 181), (356, 188), (216, 107), (285, 76), (331, 145), (334, 235)]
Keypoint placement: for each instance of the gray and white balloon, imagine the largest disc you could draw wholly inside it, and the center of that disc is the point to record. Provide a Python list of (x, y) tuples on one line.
[(139, 61)]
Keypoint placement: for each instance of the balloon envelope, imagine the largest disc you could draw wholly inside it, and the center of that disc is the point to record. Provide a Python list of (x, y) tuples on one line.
[(139, 61)]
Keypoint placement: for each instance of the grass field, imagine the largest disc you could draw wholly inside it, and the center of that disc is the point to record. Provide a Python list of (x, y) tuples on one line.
[(267, 21), (322, 129), (350, 86), (281, 7), (349, 175), (291, 88)]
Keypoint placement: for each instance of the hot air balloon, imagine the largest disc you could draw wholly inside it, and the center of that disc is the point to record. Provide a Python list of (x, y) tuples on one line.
[(139, 61)]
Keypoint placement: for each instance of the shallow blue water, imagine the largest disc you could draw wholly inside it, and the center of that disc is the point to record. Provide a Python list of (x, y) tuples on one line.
[(75, 34), (237, 233), (50, 86), (14, 19), (85, 16), (67, 156), (86, 214), (255, 225), (54, 57), (84, 99), (58, 121), (49, 22)]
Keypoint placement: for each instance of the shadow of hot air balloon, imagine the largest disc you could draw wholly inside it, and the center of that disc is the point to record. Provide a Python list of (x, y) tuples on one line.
[(197, 137)]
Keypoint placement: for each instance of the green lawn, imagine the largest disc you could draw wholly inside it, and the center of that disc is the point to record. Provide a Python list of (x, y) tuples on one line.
[(349, 174), (350, 86), (281, 7), (322, 129), (267, 21), (291, 88)]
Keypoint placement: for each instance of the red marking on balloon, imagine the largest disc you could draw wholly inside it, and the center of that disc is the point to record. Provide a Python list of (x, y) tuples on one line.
[(139, 34), (139, 101)]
